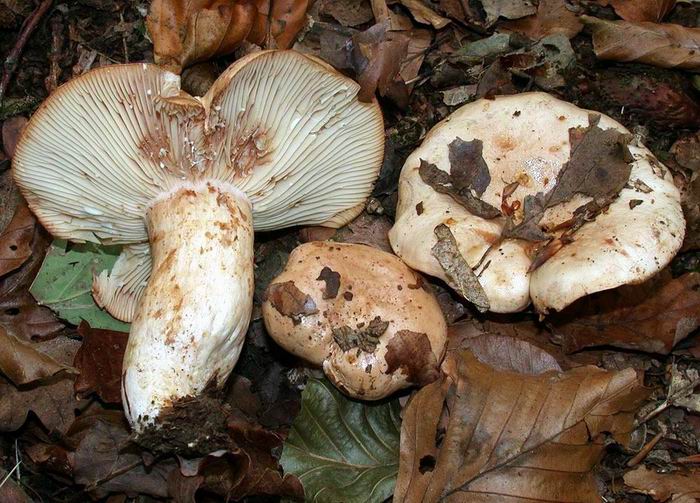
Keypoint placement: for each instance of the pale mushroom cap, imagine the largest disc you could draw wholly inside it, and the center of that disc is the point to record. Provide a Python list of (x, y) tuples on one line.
[(371, 283), (283, 128), (526, 138)]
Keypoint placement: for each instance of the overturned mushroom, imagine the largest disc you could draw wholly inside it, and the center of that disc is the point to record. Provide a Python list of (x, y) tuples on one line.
[(359, 312), (531, 198), (122, 155)]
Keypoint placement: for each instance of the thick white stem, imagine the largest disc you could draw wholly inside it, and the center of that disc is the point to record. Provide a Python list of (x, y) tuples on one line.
[(189, 329)]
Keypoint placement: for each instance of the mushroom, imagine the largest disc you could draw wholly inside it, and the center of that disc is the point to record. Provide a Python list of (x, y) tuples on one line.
[(359, 312), (545, 201), (121, 155)]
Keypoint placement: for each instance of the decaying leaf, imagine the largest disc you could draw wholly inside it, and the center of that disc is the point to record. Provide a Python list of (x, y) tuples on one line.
[(642, 10), (184, 32), (512, 436), (679, 487), (99, 361), (424, 14), (11, 131), (342, 449), (27, 320), (24, 362), (552, 17), (332, 280), (528, 228), (365, 337), (509, 9), (653, 316), (664, 45), (411, 352), (502, 352), (16, 239), (460, 276), (290, 301), (52, 400), (348, 12)]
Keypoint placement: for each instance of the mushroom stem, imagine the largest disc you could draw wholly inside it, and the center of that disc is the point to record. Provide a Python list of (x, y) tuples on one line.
[(190, 326)]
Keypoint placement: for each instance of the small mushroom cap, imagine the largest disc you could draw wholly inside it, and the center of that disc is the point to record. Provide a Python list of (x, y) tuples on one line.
[(359, 312), (278, 125), (526, 139)]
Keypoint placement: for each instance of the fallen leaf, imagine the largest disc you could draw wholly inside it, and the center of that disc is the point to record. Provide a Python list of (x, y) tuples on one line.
[(681, 486), (52, 399), (512, 436), (365, 336), (11, 131), (642, 10), (26, 319), (424, 14), (445, 183), (10, 491), (343, 449), (348, 12), (653, 316), (411, 352), (290, 301), (371, 230), (24, 362), (552, 17), (479, 50), (663, 45), (332, 281), (103, 460), (459, 275), (377, 55), (16, 239), (509, 9), (686, 151), (502, 352), (528, 228), (64, 283), (468, 168), (99, 361), (278, 22)]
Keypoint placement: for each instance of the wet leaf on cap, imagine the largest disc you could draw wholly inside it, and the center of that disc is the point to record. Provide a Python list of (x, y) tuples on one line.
[(445, 183), (411, 352), (332, 280), (290, 301), (64, 283), (459, 275), (365, 336), (342, 449)]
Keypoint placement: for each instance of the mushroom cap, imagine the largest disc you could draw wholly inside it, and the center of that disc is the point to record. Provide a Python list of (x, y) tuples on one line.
[(526, 139), (331, 293), (280, 126)]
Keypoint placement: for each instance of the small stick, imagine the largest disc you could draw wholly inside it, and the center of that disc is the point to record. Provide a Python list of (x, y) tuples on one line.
[(51, 82), (26, 31), (645, 450)]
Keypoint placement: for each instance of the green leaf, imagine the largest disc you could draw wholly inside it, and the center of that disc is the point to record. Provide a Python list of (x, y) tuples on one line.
[(343, 450), (64, 282)]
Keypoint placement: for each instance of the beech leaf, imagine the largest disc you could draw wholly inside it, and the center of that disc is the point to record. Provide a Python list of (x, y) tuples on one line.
[(659, 44), (509, 436), (343, 449), (16, 240), (64, 283), (680, 487), (642, 10)]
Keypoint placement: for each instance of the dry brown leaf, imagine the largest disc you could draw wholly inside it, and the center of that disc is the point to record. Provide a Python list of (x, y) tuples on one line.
[(552, 17), (348, 12), (641, 10), (512, 436), (11, 131), (16, 239), (24, 362), (184, 32), (664, 45), (683, 487), (424, 14), (509, 9), (502, 352), (99, 361), (653, 316), (51, 400)]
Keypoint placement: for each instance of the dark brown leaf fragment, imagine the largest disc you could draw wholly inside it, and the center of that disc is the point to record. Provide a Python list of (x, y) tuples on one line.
[(468, 168), (332, 280), (365, 336), (459, 275), (528, 228), (290, 301), (99, 361), (443, 183), (411, 352)]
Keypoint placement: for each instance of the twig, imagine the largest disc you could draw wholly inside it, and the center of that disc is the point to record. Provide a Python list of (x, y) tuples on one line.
[(644, 451), (51, 82), (26, 31), (7, 477)]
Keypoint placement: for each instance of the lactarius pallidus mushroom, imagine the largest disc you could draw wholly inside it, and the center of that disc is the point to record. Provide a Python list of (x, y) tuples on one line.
[(122, 155), (359, 312), (528, 198)]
